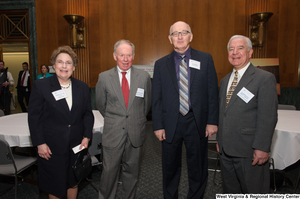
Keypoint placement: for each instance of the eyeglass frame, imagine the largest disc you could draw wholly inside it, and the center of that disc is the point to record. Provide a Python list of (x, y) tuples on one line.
[(183, 33), (62, 63)]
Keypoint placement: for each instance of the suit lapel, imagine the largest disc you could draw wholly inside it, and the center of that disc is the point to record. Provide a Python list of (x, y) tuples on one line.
[(223, 90), (193, 71), (55, 86), (172, 70), (134, 79), (75, 94), (246, 79), (115, 83)]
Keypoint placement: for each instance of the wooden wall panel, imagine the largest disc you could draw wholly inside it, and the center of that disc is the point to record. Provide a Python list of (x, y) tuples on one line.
[(289, 25), (147, 23)]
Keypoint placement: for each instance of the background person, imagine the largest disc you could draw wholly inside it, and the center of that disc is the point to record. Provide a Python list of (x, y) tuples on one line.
[(248, 116), (124, 102), (60, 117), (6, 80), (23, 86), (190, 121), (45, 72)]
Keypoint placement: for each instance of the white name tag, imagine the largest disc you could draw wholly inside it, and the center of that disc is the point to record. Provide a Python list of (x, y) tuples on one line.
[(59, 94), (76, 149), (140, 92), (194, 64), (245, 95)]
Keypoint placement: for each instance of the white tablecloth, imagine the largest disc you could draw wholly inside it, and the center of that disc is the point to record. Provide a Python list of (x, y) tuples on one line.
[(14, 128), (285, 148)]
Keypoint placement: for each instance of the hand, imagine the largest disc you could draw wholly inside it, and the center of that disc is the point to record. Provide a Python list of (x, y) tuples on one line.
[(5, 84), (84, 143), (44, 151), (217, 147), (210, 130), (260, 157), (160, 134)]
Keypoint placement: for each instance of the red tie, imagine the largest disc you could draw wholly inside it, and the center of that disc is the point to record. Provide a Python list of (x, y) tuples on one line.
[(125, 88), (23, 78)]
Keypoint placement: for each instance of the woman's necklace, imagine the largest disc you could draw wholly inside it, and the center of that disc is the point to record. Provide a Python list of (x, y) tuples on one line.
[(66, 87)]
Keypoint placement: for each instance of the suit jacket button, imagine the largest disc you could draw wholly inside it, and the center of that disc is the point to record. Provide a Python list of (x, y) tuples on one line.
[(123, 128), (126, 116)]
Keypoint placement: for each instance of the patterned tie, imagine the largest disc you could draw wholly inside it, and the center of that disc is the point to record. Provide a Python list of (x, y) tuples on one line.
[(183, 87), (125, 88), (232, 87)]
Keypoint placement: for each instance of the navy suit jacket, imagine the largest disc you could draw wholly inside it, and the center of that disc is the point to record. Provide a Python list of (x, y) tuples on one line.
[(52, 122), (20, 77), (203, 94)]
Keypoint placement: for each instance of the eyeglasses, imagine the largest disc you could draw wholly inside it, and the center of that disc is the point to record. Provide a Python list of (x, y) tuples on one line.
[(183, 33), (61, 63)]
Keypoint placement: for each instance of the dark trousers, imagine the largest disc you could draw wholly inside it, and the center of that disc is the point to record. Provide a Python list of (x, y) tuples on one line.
[(239, 176), (23, 92), (196, 155)]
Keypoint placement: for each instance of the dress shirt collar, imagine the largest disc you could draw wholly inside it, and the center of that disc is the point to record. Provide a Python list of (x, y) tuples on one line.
[(187, 54)]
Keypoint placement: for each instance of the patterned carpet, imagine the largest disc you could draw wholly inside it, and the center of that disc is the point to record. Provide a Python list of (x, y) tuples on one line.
[(150, 180)]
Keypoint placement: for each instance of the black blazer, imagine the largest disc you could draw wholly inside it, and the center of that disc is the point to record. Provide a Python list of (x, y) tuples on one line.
[(203, 94), (52, 122), (20, 79)]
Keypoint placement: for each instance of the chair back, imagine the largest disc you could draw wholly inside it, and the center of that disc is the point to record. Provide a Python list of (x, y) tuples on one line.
[(6, 156), (1, 113), (212, 139), (286, 107), (95, 148)]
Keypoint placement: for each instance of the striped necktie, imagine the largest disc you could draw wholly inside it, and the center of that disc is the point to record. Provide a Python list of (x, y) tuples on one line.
[(183, 87), (232, 87)]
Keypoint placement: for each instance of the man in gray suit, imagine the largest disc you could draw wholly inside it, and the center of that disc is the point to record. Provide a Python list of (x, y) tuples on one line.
[(123, 97), (248, 116)]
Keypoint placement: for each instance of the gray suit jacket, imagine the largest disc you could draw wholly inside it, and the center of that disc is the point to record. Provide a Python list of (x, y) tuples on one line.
[(243, 126), (110, 103)]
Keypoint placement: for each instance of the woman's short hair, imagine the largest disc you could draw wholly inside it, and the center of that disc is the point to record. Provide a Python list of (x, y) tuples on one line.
[(64, 49), (45, 66)]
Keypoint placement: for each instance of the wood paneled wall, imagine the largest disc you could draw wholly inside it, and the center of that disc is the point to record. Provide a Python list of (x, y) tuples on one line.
[(147, 23)]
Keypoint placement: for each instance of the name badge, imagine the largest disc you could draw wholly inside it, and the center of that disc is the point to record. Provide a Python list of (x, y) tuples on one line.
[(59, 94), (245, 95), (140, 92), (194, 64)]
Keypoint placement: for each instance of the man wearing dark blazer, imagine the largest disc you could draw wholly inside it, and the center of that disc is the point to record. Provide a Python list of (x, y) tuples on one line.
[(173, 126), (248, 116), (123, 97), (24, 86)]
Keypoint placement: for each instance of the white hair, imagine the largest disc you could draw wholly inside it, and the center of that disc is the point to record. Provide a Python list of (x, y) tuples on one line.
[(249, 43)]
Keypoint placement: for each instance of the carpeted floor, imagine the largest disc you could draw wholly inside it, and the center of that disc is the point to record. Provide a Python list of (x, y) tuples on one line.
[(150, 180)]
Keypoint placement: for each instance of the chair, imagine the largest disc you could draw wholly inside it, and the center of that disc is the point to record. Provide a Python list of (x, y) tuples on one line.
[(95, 152), (13, 165), (213, 140), (286, 107), (271, 162), (1, 113)]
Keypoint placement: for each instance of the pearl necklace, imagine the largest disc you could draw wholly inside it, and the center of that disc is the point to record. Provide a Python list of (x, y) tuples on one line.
[(66, 87)]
